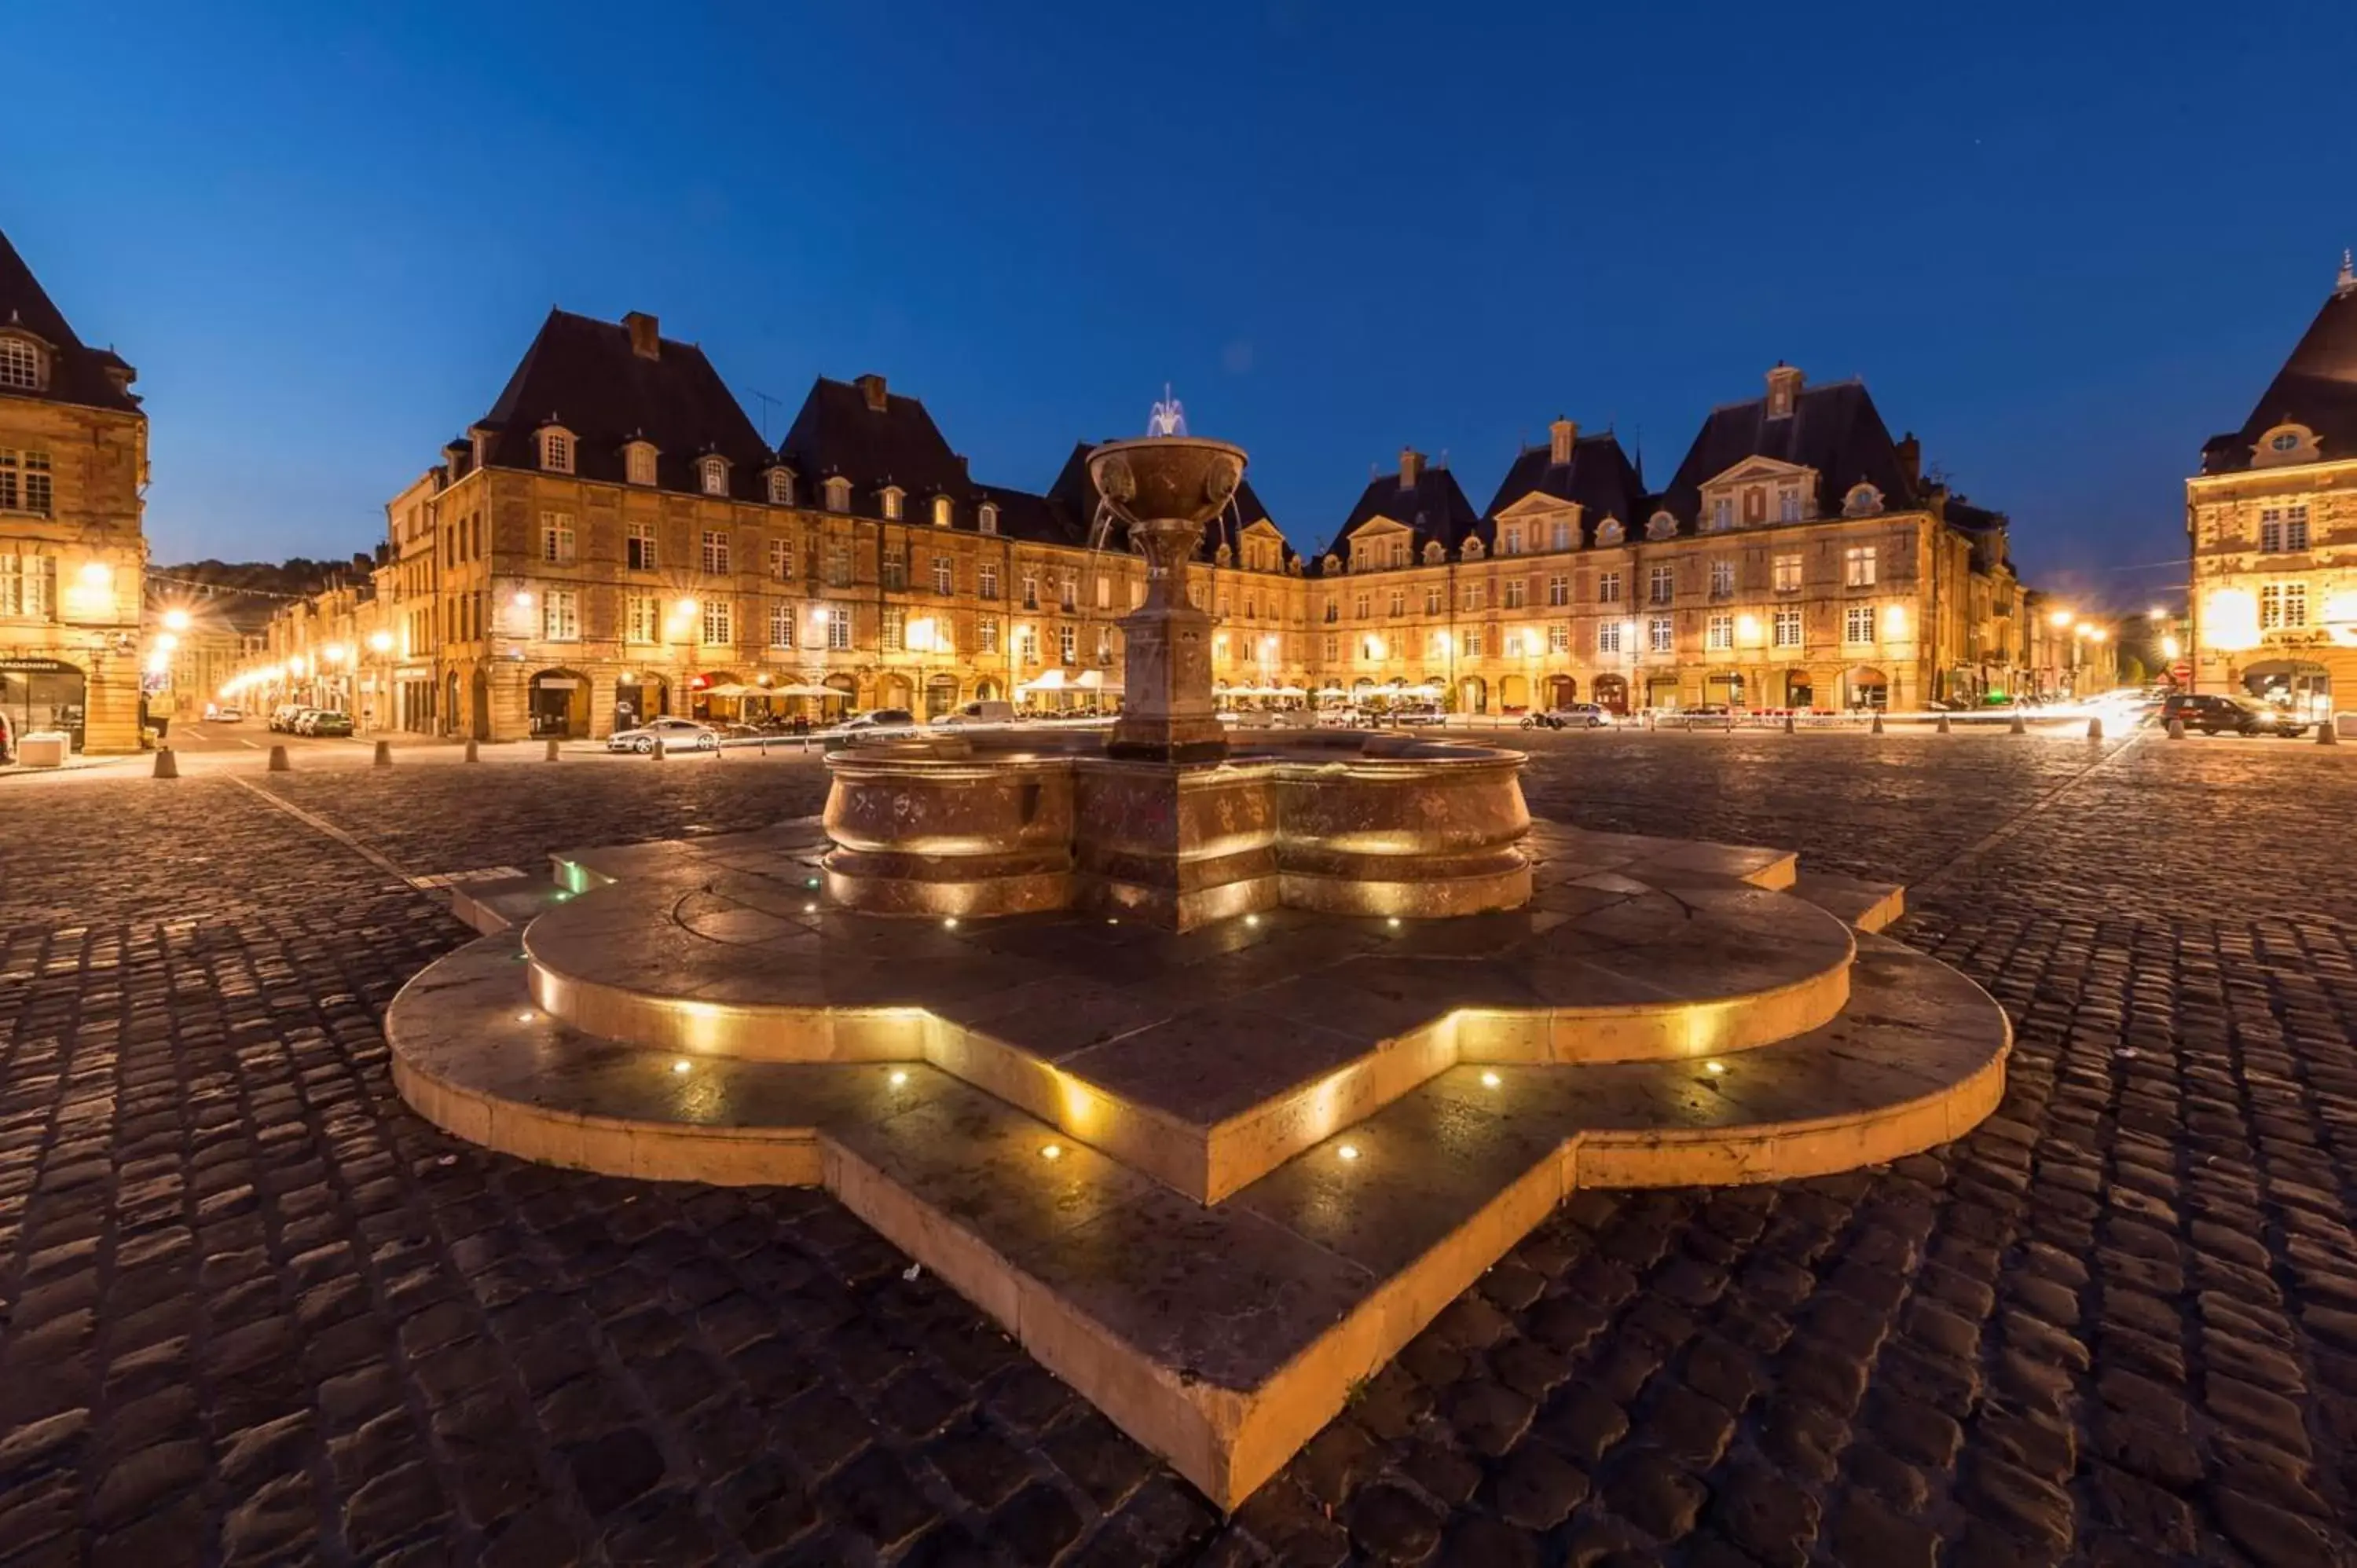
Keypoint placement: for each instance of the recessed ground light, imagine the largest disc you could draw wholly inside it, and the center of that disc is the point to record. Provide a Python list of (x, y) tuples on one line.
[(1393, 922), (1051, 1152), (1348, 1151), (1714, 1069), (1252, 920), (810, 908), (680, 1066), (525, 1016), (1490, 1080), (900, 1076), (951, 923)]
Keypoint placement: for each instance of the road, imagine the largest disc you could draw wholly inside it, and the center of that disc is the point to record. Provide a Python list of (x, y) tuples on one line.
[(253, 1309)]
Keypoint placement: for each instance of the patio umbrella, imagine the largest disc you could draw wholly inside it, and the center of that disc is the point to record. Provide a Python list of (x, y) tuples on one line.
[(732, 689), (801, 689)]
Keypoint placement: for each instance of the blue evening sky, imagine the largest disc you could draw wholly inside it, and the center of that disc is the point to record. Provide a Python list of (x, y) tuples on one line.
[(2061, 243)]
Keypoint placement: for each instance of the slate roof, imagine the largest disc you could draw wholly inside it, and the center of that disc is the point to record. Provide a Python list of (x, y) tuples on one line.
[(95, 378), (581, 374), (1834, 429), (1076, 496), (1434, 508), (1599, 478), (837, 433), (2317, 387)]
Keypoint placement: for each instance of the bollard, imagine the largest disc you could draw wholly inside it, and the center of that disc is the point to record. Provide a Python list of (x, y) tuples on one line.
[(2176, 729), (2017, 728), (166, 765), (474, 753), (2095, 729), (1943, 724), (657, 752), (552, 751), (2328, 733), (383, 754), (1878, 721), (278, 763), (1789, 727)]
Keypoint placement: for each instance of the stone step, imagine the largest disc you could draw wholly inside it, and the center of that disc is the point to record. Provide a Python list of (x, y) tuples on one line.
[(1221, 1337), (1868, 906), (497, 904)]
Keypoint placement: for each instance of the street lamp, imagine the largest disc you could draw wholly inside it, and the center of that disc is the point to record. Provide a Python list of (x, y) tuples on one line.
[(176, 620)]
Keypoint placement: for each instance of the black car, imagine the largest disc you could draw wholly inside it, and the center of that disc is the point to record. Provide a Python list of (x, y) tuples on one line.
[(2217, 714)]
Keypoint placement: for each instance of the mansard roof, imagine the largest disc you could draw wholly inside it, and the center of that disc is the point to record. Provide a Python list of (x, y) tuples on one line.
[(1834, 429), (2317, 387), (885, 438), (584, 375), (96, 377), (1434, 509), (1599, 478)]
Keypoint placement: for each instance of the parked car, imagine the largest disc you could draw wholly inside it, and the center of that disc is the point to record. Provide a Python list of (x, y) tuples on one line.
[(230, 716), (879, 718), (326, 721), (281, 718), (676, 733), (1418, 713), (986, 711), (1573, 715), (2220, 714)]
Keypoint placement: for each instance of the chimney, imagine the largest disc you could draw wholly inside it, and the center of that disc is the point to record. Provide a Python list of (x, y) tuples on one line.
[(1910, 459), (1560, 437), (1411, 468), (1784, 391), (2347, 282), (871, 387), (454, 453), (646, 335)]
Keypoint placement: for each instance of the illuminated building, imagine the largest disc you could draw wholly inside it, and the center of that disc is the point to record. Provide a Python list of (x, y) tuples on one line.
[(2272, 523)]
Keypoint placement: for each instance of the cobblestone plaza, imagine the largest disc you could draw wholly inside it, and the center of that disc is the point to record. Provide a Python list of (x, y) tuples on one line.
[(253, 1309)]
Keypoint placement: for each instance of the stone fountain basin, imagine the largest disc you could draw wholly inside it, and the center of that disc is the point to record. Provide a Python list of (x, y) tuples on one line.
[(1341, 821)]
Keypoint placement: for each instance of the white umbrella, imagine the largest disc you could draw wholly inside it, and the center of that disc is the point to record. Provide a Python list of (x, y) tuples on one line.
[(1291, 692), (732, 689), (801, 689)]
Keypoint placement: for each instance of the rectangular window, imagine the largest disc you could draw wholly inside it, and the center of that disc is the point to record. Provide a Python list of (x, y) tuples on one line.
[(896, 569), (1608, 637), (1105, 645), (1513, 645), (1333, 647), (1071, 598), (1608, 589), (1559, 637), (781, 624), (642, 618), (28, 587), (25, 481), (2283, 528), (1857, 566), (638, 546), (1788, 574), (1559, 534), (1788, 505), (838, 565), (1362, 605), (1721, 634), (1722, 579), (1399, 602), (557, 537), (1474, 597), (716, 552), (985, 634), (1510, 539), (1559, 591), (895, 628), (1722, 512), (944, 574), (1105, 592), (985, 582), (1432, 600), (1788, 628), (1857, 625), (1067, 643), (781, 557), (1473, 645), (1660, 585), (1517, 589), (1027, 644), (719, 624), (560, 615), (1661, 634), (1031, 591), (2283, 605), (838, 627)]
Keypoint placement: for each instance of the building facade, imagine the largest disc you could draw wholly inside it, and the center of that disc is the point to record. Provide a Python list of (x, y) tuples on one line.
[(613, 540), (2271, 522), (73, 471)]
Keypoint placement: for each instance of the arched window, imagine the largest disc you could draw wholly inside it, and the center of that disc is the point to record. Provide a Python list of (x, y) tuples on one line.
[(989, 517), (556, 451), (640, 462), (940, 511), (714, 474), (838, 494), (781, 487), (21, 364), (892, 503)]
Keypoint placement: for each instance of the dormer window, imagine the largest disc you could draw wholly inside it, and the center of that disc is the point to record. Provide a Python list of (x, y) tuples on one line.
[(838, 494), (989, 517), (556, 450), (638, 463), (2285, 440), (781, 487), (2285, 444), (892, 503), (1609, 531), (1788, 504), (940, 511), (712, 474), (1722, 514), (1510, 539), (1473, 551), (1661, 525), (1863, 500), (21, 365)]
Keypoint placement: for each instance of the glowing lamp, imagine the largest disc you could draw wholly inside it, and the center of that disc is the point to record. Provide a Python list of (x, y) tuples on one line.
[(2061, 618), (165, 642), (381, 642), (175, 620), (686, 607), (97, 575)]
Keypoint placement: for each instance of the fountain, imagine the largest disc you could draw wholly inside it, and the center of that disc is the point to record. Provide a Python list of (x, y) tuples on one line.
[(1166, 821), (1213, 1070)]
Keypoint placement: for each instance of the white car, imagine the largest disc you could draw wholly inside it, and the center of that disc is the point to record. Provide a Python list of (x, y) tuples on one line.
[(676, 733)]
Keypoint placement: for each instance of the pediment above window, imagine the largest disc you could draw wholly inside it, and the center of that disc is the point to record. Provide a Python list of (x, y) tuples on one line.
[(1609, 531), (1661, 525), (1863, 500), (2286, 445)]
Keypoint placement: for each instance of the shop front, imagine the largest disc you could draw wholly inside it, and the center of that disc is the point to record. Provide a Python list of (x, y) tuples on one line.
[(44, 694), (558, 705)]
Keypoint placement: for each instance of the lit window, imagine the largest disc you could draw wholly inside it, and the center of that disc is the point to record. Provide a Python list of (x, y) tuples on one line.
[(838, 627), (1788, 574), (781, 624), (21, 364), (1559, 637), (1067, 644), (1608, 637), (985, 634), (1720, 635), (940, 511), (1399, 602), (891, 504), (1027, 644), (2283, 605), (1104, 593), (29, 586), (944, 574), (1105, 645), (1333, 647), (1475, 597), (639, 547), (1722, 579), (1857, 565), (986, 580), (642, 618), (557, 537), (715, 550), (556, 451), (1857, 625), (1788, 628), (1659, 634), (895, 628), (719, 622), (560, 615), (1608, 589)]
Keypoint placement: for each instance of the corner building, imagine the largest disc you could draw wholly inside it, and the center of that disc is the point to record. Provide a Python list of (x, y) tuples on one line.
[(73, 471), (2271, 520)]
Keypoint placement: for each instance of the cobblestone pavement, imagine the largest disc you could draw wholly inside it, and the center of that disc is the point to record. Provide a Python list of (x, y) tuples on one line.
[(251, 1309)]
